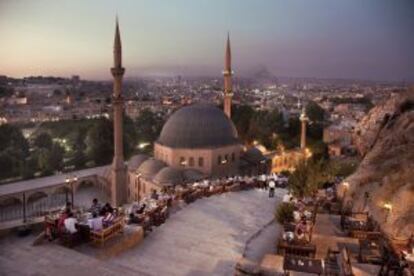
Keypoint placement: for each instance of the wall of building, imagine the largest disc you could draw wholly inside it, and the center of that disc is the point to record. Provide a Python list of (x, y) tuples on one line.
[(209, 161)]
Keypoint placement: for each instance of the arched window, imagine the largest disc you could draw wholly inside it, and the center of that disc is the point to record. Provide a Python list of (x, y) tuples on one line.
[(233, 157), (182, 161), (219, 160), (191, 162), (200, 161)]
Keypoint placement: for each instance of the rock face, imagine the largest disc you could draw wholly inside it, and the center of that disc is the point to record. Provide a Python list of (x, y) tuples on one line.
[(385, 139)]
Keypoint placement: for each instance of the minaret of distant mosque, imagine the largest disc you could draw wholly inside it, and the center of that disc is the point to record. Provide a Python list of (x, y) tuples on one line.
[(118, 171), (303, 119), (228, 86)]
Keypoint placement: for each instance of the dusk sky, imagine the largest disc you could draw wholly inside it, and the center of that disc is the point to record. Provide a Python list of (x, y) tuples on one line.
[(364, 39)]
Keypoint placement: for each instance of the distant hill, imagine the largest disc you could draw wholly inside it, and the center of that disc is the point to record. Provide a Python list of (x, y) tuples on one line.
[(263, 76)]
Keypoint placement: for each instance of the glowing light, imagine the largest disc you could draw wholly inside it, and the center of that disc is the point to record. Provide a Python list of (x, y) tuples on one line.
[(143, 145), (388, 206)]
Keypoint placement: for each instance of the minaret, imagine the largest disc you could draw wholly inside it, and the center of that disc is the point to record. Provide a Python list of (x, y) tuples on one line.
[(227, 73), (118, 175), (303, 119)]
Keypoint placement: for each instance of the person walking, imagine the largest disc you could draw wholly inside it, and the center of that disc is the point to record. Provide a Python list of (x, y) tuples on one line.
[(272, 186)]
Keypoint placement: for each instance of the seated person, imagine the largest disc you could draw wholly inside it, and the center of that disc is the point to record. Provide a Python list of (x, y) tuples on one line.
[(141, 209), (61, 221), (138, 216), (300, 205), (154, 194), (108, 219), (95, 223), (296, 216), (300, 230), (108, 208), (70, 224), (95, 207)]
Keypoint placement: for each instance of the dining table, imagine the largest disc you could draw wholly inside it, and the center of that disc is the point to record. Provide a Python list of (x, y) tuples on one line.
[(303, 264), (370, 251)]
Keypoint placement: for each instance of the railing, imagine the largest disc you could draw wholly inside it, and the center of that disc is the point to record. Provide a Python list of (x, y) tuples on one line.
[(33, 209)]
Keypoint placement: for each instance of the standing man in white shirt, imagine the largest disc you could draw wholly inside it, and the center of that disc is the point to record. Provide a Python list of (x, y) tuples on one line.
[(262, 180), (272, 186)]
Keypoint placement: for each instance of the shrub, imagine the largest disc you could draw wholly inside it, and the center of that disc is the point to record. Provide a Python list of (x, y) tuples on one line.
[(284, 212)]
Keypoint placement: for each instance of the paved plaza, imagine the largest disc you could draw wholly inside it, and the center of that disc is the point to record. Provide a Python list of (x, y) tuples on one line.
[(206, 237)]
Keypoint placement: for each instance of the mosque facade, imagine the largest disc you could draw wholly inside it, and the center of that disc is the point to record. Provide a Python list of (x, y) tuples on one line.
[(198, 141)]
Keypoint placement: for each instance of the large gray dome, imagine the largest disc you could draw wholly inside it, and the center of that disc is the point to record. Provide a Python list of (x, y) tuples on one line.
[(169, 176), (136, 161), (198, 126), (150, 167)]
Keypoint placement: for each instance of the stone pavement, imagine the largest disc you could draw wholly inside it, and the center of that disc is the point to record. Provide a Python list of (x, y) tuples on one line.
[(19, 258), (327, 233), (205, 238)]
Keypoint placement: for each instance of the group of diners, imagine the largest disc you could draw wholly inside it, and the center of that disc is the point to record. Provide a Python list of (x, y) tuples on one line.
[(153, 209), (77, 222), (299, 229)]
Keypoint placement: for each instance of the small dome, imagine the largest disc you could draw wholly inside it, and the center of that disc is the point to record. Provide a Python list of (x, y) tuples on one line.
[(191, 175), (253, 155), (198, 126), (136, 161), (169, 176), (150, 167)]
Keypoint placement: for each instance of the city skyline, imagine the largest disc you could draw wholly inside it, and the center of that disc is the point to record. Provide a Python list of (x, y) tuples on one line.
[(292, 39)]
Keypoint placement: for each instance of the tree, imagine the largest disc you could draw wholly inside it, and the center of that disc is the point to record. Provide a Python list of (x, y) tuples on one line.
[(43, 140), (315, 112), (77, 140), (56, 157), (50, 160), (284, 212), (148, 126), (29, 168), (319, 150), (7, 165), (308, 177), (130, 136), (241, 116), (12, 137), (99, 142), (14, 149)]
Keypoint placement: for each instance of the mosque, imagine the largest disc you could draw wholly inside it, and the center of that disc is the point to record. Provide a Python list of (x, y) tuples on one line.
[(198, 141)]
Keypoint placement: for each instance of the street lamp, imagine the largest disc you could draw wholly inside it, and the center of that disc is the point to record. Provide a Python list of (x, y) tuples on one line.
[(388, 208), (346, 187), (70, 180)]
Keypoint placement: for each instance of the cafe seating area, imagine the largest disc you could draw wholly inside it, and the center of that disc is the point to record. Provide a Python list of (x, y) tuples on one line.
[(345, 243), (151, 211)]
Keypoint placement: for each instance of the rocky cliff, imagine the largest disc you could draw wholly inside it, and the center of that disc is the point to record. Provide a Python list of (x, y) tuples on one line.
[(385, 139)]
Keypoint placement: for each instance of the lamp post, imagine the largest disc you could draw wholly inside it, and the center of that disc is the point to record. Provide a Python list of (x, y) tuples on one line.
[(346, 187), (388, 208), (70, 180), (137, 185)]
